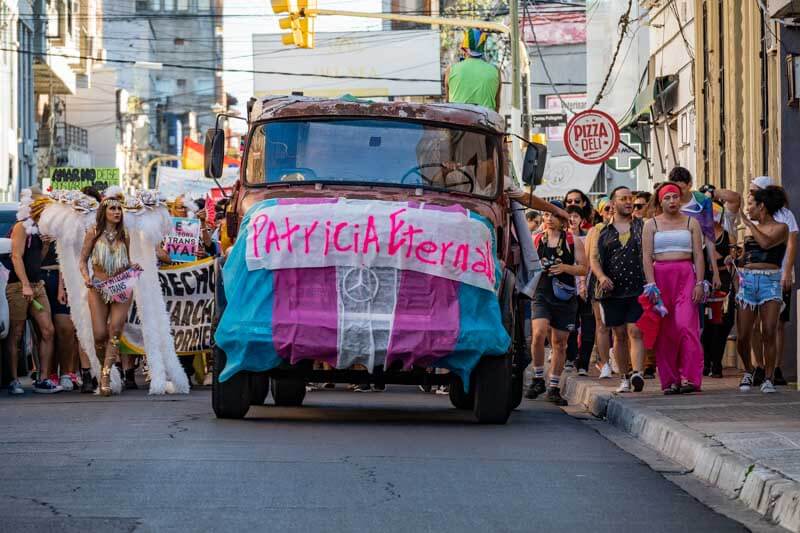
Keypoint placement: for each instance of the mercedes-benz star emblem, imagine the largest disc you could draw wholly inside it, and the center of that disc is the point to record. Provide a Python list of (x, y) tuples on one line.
[(360, 284)]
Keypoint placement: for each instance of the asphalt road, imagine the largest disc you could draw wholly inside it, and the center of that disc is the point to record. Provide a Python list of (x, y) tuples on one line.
[(397, 461)]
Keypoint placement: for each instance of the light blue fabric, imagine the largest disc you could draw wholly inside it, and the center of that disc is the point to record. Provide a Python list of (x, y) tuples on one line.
[(245, 335), (481, 329)]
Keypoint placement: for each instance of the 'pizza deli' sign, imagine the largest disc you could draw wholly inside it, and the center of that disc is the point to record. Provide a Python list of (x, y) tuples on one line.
[(591, 137)]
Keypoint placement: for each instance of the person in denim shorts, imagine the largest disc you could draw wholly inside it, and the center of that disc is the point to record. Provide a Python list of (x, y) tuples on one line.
[(759, 274)]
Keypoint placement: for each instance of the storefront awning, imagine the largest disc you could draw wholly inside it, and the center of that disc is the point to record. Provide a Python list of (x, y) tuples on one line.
[(646, 102)]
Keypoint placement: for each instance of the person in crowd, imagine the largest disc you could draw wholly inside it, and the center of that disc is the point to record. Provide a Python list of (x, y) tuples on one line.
[(719, 315), (65, 340), (534, 219), (26, 293), (555, 304), (602, 334), (641, 199), (672, 251), (617, 262), (107, 246), (759, 277), (784, 216), (581, 340), (578, 198), (473, 80)]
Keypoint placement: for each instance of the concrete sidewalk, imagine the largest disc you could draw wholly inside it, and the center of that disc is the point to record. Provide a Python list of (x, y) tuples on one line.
[(746, 444)]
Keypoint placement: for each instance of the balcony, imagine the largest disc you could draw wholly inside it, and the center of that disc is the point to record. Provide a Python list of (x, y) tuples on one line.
[(69, 145)]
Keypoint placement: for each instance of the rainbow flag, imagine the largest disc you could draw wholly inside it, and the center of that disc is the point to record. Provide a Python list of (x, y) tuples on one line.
[(361, 305)]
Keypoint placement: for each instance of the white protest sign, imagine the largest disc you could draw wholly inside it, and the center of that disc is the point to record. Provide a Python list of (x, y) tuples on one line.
[(120, 287), (174, 182), (448, 244)]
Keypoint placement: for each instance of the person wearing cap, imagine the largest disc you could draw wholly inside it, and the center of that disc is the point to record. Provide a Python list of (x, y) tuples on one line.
[(555, 302), (616, 261), (26, 292), (473, 80), (782, 216)]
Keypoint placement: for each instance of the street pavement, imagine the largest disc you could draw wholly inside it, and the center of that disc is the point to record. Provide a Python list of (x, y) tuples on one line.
[(397, 461)]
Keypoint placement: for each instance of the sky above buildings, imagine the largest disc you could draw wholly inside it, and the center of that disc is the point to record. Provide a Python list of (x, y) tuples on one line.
[(243, 18)]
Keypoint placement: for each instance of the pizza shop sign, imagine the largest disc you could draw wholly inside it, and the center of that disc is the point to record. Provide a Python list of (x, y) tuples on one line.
[(591, 137)]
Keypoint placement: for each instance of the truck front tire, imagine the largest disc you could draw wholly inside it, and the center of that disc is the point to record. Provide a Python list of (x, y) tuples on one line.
[(229, 399), (288, 392), (493, 390)]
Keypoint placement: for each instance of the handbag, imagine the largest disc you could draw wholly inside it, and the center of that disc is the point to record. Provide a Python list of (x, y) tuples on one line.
[(562, 291)]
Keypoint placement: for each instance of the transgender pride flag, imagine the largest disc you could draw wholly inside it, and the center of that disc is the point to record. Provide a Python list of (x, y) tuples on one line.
[(361, 282)]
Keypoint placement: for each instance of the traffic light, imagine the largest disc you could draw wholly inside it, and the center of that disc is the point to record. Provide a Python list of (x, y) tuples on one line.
[(299, 21)]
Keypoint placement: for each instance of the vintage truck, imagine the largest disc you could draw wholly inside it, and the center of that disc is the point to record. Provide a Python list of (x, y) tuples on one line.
[(373, 244)]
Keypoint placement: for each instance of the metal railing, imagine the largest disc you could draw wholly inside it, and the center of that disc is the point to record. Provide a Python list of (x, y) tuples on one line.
[(64, 136)]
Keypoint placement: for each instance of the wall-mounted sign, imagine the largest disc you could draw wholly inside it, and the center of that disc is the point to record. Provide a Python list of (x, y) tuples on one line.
[(67, 178), (569, 103), (591, 137), (626, 158), (548, 118)]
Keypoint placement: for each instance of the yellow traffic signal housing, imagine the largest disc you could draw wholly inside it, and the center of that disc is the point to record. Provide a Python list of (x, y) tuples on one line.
[(284, 6), (306, 32)]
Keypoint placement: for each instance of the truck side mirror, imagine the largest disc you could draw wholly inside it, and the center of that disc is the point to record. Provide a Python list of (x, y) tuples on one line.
[(533, 167), (214, 152)]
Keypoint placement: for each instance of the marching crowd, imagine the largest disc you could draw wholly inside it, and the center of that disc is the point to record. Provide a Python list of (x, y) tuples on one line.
[(36, 294), (653, 284)]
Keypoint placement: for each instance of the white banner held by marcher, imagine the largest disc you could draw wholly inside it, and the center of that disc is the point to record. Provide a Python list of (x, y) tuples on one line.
[(174, 182), (366, 233)]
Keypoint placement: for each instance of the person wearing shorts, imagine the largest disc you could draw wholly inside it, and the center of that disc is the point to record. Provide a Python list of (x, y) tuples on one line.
[(617, 263), (555, 303)]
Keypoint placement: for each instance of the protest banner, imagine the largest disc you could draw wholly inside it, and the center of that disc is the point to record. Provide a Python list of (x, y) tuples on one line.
[(189, 294), (215, 195), (444, 242), (174, 182), (182, 243), (119, 288), (75, 179)]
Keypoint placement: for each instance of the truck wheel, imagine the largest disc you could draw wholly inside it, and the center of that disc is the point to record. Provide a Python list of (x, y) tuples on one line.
[(288, 392), (229, 399), (259, 389), (516, 388), (492, 390), (459, 398)]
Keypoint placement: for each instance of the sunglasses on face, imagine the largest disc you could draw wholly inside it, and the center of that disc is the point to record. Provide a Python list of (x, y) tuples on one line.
[(573, 202), (639, 206)]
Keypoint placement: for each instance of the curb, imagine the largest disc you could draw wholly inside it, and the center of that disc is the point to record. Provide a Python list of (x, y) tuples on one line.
[(761, 489)]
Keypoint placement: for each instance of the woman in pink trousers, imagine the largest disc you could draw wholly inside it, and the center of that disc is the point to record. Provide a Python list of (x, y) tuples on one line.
[(672, 253)]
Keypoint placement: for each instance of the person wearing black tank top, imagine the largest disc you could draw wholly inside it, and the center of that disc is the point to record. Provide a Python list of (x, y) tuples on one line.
[(26, 293), (555, 304), (759, 277)]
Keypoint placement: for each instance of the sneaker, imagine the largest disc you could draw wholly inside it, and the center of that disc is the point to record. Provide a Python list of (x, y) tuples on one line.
[(649, 373), (364, 387), (758, 376), (767, 387), (66, 383), (777, 377), (329, 386), (569, 366), (672, 390), (15, 388), (688, 388), (605, 372), (583, 372), (637, 382), (379, 388), (624, 386), (442, 389), (746, 383), (554, 396), (46, 387), (537, 387)]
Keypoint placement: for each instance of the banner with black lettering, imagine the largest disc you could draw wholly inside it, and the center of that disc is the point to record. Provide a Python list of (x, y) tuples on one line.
[(188, 290)]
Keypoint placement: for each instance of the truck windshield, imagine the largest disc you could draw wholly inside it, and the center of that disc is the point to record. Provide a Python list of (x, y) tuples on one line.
[(376, 152)]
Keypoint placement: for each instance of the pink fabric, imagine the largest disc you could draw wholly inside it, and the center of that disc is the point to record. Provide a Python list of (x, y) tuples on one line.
[(426, 319), (679, 353), (305, 314)]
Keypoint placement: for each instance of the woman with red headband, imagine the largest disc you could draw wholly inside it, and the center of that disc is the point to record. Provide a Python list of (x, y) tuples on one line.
[(672, 251)]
